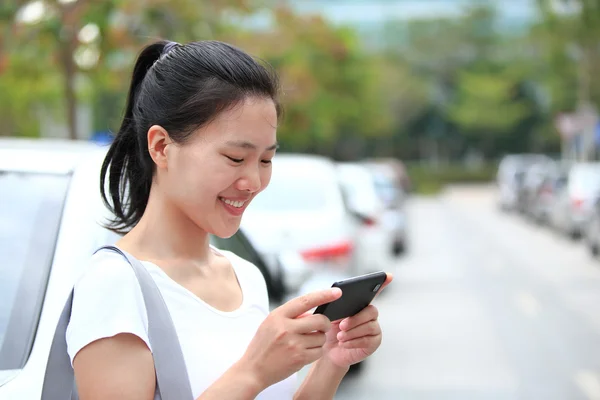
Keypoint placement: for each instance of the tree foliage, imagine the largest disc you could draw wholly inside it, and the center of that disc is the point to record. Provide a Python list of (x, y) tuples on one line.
[(452, 84)]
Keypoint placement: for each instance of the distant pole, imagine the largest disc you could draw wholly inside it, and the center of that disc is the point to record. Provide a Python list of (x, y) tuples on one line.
[(587, 115)]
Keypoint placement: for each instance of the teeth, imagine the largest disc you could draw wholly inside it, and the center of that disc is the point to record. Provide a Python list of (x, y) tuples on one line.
[(236, 204)]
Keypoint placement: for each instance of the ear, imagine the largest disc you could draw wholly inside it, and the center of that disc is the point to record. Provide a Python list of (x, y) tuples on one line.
[(158, 139)]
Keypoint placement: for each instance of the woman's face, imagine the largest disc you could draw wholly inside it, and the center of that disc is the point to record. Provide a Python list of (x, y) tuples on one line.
[(215, 175)]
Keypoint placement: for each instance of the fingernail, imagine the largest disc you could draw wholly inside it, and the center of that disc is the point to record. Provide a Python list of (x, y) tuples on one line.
[(336, 291), (344, 324), (340, 336)]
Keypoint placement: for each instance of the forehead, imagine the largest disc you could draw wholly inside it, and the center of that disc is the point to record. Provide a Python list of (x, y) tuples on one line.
[(254, 119)]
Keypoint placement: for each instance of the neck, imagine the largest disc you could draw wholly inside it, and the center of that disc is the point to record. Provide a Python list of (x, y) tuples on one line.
[(165, 233)]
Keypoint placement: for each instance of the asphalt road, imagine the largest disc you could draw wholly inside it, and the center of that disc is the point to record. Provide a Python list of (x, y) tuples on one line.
[(485, 306)]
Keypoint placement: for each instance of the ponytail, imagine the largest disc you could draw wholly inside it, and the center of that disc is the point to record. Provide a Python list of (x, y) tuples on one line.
[(127, 162)]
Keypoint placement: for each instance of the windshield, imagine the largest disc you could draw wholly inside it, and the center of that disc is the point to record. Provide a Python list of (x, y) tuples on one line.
[(297, 193), (386, 189), (30, 210)]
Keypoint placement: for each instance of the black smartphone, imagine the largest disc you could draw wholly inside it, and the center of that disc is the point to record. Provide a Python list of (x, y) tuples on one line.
[(357, 293)]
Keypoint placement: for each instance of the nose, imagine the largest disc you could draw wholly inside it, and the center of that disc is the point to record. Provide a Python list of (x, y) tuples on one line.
[(250, 181)]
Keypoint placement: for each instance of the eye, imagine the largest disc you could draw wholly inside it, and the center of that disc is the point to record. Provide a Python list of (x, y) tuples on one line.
[(266, 161), (235, 160)]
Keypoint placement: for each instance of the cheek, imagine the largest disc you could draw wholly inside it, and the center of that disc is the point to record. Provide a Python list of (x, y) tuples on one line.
[(265, 177), (195, 178)]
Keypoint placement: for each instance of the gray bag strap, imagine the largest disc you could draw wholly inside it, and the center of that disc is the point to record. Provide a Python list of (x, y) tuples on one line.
[(172, 381)]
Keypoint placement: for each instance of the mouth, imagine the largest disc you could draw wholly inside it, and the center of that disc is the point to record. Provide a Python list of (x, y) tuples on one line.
[(235, 207)]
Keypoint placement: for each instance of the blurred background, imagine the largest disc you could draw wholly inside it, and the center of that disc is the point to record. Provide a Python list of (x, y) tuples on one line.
[(453, 143)]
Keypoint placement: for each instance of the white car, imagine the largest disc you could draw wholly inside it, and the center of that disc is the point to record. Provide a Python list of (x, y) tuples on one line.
[(575, 199), (392, 193), (302, 210), (50, 224), (373, 250), (510, 178)]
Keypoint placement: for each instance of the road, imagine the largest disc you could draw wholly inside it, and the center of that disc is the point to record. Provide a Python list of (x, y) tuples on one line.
[(485, 306)]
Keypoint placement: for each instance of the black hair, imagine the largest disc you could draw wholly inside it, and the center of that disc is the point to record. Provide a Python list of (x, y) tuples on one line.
[(180, 87)]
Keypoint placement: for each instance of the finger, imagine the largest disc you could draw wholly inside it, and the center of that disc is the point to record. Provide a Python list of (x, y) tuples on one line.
[(302, 304), (388, 279), (313, 340), (370, 328), (365, 342), (311, 323), (369, 313)]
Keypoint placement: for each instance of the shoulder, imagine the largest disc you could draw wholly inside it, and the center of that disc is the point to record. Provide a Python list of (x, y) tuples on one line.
[(106, 267), (107, 300)]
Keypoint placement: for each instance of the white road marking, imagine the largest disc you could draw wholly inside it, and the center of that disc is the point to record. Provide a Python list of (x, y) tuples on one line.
[(588, 383), (527, 303)]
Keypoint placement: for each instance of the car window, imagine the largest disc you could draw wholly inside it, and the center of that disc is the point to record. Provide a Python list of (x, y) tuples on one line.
[(386, 189), (30, 211), (359, 185)]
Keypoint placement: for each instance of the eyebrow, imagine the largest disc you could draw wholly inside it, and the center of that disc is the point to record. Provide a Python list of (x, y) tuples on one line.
[(247, 145)]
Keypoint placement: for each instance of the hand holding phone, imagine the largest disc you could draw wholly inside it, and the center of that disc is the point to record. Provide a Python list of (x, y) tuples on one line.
[(357, 294)]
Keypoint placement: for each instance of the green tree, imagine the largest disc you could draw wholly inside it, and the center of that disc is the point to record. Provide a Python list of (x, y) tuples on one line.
[(331, 86), (485, 105), (68, 69)]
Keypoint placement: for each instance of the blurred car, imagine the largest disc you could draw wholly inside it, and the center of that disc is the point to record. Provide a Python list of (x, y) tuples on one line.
[(547, 189), (362, 200), (302, 211), (50, 224), (396, 171), (533, 178), (393, 196), (510, 179), (539, 188), (577, 193), (592, 232)]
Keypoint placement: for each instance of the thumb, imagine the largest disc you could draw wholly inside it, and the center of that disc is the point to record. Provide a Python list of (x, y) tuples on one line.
[(300, 305), (389, 278)]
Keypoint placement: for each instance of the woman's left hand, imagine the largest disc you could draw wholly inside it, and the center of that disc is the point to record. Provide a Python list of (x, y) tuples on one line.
[(351, 340)]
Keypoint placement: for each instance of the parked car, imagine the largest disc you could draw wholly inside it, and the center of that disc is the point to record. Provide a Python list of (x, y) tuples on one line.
[(393, 195), (510, 180), (592, 233), (395, 170), (50, 224), (302, 210), (577, 192), (540, 188), (362, 201)]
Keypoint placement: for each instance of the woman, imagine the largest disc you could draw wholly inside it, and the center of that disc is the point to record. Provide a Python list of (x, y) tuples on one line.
[(194, 148)]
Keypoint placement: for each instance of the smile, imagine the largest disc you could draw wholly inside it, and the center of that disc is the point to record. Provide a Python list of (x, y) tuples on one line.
[(236, 204)]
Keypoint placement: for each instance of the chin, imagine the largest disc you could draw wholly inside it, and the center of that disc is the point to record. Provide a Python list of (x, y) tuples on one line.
[(225, 232)]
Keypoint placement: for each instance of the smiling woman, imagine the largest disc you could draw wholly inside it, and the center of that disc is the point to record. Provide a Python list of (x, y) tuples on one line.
[(193, 151)]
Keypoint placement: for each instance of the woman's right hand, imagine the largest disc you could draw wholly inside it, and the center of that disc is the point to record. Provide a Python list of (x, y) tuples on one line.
[(288, 339)]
